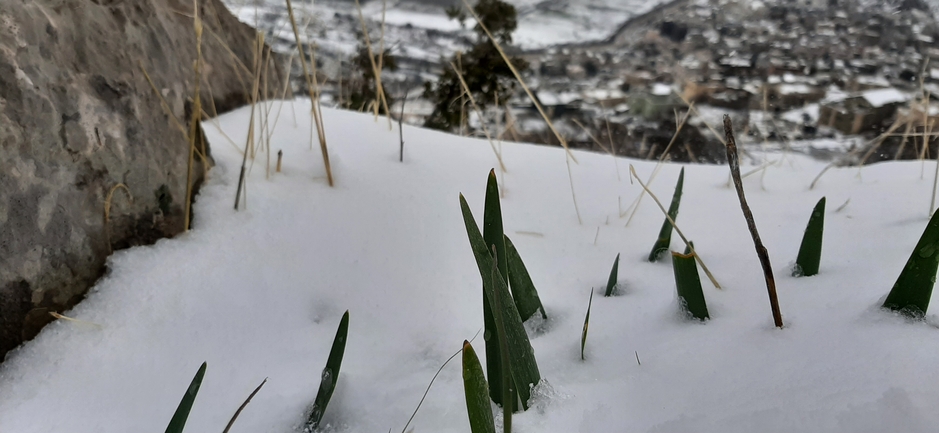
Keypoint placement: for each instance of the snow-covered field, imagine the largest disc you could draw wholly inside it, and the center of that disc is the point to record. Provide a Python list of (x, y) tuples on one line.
[(259, 293)]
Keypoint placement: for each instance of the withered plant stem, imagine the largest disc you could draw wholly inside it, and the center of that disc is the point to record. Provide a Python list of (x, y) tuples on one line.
[(314, 99), (734, 162), (231, 422)]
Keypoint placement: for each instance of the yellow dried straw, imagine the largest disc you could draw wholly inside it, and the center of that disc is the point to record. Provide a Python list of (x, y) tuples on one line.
[(472, 100), (518, 77), (635, 205), (379, 89), (632, 171), (314, 100)]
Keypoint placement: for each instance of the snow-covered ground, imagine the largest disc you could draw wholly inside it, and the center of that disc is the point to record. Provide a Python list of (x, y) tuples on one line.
[(259, 293)]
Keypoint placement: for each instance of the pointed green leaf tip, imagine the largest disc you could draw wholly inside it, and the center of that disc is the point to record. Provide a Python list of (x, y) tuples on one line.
[(495, 239), (477, 393), (522, 357), (611, 283), (330, 375), (810, 253), (185, 405), (911, 292), (690, 295), (583, 334), (526, 296), (665, 235)]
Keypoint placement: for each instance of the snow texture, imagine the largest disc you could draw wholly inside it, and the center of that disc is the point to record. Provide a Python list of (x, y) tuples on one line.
[(259, 293)]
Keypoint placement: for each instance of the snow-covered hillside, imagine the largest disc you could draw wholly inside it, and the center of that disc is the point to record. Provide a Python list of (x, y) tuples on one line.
[(259, 293)]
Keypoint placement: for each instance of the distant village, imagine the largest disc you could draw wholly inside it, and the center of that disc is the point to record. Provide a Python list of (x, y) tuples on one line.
[(828, 77), (786, 71)]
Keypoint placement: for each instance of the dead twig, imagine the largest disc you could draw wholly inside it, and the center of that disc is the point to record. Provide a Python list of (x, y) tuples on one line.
[(733, 161), (242, 407)]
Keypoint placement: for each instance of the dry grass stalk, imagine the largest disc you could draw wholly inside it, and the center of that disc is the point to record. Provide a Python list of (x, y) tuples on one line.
[(166, 105), (678, 127), (841, 208), (632, 171), (242, 181), (815, 181), (80, 322), (107, 210), (518, 77), (314, 98), (242, 407), (196, 112), (401, 126), (733, 161), (317, 109), (379, 89), (482, 121)]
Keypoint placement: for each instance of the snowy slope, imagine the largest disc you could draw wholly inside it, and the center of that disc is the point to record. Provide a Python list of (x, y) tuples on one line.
[(259, 293)]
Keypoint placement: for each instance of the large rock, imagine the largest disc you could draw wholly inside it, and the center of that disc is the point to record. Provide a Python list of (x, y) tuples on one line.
[(77, 117)]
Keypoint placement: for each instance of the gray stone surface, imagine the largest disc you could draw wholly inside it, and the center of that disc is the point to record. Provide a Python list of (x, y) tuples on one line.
[(77, 117)]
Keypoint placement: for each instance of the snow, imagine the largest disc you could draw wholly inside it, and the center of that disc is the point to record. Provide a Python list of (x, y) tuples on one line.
[(794, 89), (661, 89), (882, 97), (259, 293), (797, 115)]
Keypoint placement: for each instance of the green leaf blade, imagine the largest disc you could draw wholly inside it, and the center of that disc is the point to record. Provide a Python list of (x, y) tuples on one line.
[(524, 367), (524, 292), (330, 375), (614, 276), (477, 393), (494, 237), (178, 422), (583, 334), (688, 284), (911, 293), (665, 234), (810, 252)]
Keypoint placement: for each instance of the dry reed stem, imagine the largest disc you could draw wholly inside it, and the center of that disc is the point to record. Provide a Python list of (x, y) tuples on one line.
[(841, 208), (880, 140), (691, 108), (482, 121), (317, 110), (196, 111), (107, 210), (733, 161), (242, 407), (815, 181), (242, 181), (167, 109), (78, 321), (635, 205), (379, 89), (314, 100), (518, 77), (632, 171), (906, 137), (609, 134)]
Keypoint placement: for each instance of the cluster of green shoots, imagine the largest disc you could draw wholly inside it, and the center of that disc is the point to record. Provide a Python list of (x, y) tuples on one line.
[(327, 386), (510, 298)]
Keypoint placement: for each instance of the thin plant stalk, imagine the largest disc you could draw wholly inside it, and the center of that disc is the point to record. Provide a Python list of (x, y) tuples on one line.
[(482, 122), (678, 128), (734, 163), (234, 417), (379, 89), (632, 170), (583, 334), (196, 112), (314, 100)]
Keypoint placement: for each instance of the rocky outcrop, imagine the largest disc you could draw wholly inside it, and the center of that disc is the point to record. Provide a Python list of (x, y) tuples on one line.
[(78, 116)]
